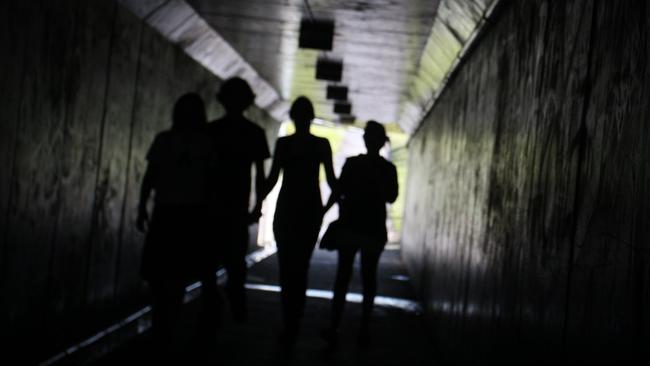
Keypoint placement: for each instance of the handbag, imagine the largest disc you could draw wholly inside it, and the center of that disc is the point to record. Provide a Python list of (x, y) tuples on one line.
[(333, 236)]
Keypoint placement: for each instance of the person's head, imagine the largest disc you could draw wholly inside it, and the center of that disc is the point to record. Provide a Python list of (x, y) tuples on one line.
[(189, 113), (302, 113), (235, 95), (374, 136)]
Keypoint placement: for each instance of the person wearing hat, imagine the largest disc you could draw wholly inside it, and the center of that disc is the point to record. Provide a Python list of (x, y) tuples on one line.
[(367, 182)]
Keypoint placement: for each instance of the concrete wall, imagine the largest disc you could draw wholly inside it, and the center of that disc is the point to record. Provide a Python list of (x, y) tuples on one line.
[(530, 225), (85, 87)]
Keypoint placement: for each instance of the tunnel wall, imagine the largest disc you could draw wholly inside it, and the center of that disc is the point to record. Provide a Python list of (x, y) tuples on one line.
[(529, 226), (85, 87)]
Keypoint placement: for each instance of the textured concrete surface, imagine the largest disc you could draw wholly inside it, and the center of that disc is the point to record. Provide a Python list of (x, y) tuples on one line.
[(85, 87), (528, 228), (453, 32), (179, 23)]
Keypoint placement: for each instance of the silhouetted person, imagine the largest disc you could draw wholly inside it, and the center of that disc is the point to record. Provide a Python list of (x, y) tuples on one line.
[(299, 209), (240, 144), (176, 251), (367, 182)]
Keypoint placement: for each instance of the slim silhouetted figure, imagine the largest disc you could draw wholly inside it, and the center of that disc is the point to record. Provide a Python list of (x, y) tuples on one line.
[(178, 171), (299, 209), (240, 144), (366, 184)]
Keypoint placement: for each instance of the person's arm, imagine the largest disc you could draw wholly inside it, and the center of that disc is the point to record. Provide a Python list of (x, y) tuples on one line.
[(329, 168), (392, 188), (335, 196), (260, 191), (330, 176), (274, 174), (148, 181), (142, 222), (260, 154)]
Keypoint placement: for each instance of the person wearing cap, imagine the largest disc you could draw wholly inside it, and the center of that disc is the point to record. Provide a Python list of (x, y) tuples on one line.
[(367, 182), (240, 145), (299, 209)]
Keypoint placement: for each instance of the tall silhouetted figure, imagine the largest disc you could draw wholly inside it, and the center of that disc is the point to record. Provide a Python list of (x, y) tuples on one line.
[(299, 209), (176, 250), (367, 182), (240, 144)]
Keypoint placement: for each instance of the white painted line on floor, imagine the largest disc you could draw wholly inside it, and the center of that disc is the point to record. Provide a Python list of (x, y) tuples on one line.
[(99, 335), (383, 301)]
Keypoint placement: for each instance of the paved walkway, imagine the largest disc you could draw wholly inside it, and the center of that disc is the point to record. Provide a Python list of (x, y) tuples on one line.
[(399, 335)]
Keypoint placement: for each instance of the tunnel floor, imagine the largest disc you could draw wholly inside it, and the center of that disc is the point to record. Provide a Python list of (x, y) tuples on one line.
[(399, 335)]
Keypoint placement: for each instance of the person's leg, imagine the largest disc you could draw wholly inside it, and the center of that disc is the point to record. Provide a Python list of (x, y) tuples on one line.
[(369, 263), (159, 315), (204, 267), (166, 311), (210, 316), (341, 283), (343, 276), (235, 264), (302, 279), (286, 264)]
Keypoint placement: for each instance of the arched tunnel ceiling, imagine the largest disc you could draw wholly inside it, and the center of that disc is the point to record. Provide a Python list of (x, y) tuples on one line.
[(396, 54), (379, 42)]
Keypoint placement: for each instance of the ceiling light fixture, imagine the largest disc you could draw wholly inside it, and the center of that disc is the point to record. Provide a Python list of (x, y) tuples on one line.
[(342, 108), (327, 69), (347, 119), (337, 92), (316, 34)]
